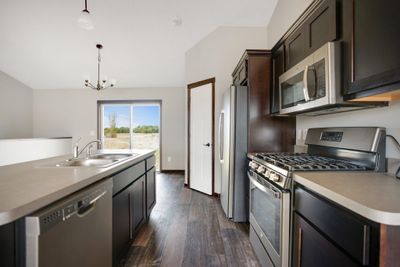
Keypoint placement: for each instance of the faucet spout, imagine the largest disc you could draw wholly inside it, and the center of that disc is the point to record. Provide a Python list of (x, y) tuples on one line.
[(77, 152)]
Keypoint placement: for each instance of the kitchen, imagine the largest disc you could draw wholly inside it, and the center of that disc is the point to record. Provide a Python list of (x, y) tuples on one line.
[(271, 52)]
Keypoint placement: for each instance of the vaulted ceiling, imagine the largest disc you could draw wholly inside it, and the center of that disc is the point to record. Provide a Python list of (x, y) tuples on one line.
[(42, 46)]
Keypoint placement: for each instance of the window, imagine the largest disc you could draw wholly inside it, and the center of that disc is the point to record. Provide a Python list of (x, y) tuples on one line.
[(131, 125)]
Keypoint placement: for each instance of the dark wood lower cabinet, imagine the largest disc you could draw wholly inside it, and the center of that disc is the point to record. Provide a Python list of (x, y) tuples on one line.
[(150, 190), (131, 207), (7, 245), (138, 204), (312, 249), (122, 233), (129, 212)]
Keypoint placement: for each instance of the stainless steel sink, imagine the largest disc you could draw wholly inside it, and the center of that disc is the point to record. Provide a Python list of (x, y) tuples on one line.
[(87, 162), (113, 156), (99, 160)]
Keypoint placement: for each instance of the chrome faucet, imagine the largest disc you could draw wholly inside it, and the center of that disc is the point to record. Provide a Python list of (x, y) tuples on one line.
[(77, 152)]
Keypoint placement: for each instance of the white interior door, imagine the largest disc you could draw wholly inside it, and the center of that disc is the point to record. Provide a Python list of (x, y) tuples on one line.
[(201, 138)]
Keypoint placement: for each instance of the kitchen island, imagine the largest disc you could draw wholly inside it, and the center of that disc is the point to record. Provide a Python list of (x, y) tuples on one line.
[(28, 187)]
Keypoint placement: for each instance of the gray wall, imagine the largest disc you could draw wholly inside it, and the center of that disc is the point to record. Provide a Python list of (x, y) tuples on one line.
[(15, 108), (73, 112), (285, 14), (217, 56)]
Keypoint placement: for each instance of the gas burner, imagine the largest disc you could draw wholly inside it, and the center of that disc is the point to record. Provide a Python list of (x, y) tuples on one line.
[(306, 162)]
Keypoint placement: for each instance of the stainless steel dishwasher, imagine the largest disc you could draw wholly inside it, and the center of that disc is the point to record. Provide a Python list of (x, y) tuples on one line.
[(73, 232)]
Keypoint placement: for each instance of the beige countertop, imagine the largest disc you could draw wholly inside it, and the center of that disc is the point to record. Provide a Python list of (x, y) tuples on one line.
[(27, 187), (375, 196)]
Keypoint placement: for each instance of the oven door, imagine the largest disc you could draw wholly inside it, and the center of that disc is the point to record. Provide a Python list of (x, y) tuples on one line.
[(269, 216)]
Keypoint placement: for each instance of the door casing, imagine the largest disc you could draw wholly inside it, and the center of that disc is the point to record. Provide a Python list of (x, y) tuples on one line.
[(190, 87)]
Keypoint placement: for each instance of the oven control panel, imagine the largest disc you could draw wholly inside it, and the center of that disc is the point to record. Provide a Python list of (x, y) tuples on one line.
[(331, 136), (267, 173)]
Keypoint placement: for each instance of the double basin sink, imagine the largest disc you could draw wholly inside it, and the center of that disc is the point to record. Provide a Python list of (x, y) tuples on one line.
[(99, 160)]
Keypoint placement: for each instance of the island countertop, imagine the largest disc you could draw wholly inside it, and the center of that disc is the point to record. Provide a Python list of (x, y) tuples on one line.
[(375, 196), (30, 186)]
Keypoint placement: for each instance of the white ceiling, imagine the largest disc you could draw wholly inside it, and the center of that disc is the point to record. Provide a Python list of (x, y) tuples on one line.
[(42, 46)]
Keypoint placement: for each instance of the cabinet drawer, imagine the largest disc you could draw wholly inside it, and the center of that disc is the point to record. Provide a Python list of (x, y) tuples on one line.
[(342, 227), (150, 162), (124, 178)]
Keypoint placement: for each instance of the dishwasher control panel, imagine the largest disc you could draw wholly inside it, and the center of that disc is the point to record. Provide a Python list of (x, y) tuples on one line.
[(66, 208)]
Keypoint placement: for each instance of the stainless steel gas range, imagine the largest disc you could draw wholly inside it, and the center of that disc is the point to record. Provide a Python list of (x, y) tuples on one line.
[(270, 175)]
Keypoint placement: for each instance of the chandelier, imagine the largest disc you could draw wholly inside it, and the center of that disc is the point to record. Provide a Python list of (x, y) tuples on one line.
[(103, 84)]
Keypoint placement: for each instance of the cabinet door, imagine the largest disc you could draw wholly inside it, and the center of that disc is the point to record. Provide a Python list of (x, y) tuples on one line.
[(310, 248), (321, 26), (122, 232), (296, 46), (278, 67), (375, 46), (138, 212), (7, 245), (150, 190), (318, 29)]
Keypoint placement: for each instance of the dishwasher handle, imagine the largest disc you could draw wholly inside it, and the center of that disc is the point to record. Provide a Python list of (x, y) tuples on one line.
[(85, 208)]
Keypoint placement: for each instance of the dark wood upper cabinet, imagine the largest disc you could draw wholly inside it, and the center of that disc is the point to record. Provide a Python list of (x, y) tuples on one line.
[(278, 68), (374, 47), (317, 29), (296, 47), (265, 132)]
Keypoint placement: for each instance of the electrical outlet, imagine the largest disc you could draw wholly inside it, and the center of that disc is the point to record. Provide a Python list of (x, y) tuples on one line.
[(169, 159)]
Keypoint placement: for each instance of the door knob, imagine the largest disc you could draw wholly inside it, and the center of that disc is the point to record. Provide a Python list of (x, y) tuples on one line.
[(208, 144)]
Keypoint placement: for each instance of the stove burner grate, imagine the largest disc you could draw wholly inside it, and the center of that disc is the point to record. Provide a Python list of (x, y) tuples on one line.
[(305, 162)]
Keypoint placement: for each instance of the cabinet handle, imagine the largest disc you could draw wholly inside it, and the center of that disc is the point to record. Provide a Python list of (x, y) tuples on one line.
[(299, 248), (144, 204), (366, 233), (130, 215)]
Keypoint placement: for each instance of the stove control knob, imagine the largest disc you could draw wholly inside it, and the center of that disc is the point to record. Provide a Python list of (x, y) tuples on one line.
[(261, 169), (275, 177), (253, 165), (267, 173)]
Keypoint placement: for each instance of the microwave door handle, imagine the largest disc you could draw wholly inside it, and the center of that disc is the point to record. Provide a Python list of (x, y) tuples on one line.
[(305, 81)]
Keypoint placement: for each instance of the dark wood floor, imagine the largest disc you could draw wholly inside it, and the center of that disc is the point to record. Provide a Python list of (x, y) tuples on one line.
[(188, 228)]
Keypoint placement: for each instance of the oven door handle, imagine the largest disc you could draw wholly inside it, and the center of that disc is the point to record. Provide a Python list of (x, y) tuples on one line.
[(267, 190)]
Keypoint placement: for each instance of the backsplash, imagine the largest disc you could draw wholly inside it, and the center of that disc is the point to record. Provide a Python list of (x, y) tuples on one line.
[(387, 117)]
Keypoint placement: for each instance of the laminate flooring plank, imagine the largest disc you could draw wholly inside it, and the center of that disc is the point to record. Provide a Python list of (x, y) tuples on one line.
[(188, 228)]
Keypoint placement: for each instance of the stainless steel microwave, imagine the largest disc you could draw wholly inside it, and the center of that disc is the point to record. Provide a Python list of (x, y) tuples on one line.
[(313, 85)]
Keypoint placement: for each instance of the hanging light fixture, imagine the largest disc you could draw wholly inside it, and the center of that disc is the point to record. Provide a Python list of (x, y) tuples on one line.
[(85, 20), (103, 84)]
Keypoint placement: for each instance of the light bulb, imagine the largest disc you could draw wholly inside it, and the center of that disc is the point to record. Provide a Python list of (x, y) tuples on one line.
[(85, 20)]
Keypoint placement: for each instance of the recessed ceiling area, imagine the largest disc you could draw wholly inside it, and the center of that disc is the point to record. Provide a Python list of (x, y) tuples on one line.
[(42, 45)]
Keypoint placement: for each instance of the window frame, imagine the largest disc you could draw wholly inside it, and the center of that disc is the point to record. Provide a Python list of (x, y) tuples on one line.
[(131, 103)]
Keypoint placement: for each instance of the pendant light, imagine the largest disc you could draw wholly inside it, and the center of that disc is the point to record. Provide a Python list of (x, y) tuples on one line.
[(85, 20), (103, 84)]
